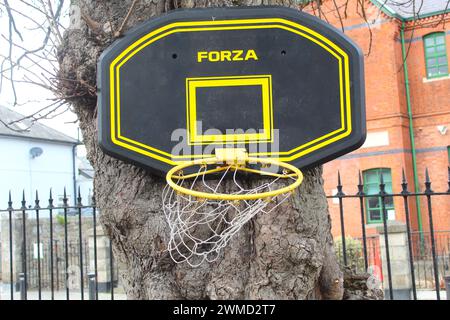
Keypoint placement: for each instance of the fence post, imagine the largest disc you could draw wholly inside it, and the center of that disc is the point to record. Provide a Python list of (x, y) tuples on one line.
[(340, 194), (99, 258), (399, 260), (92, 293), (447, 286), (22, 286), (428, 193)]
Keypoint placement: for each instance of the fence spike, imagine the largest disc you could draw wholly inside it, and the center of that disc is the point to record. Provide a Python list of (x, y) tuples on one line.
[(404, 183), (9, 201), (427, 182), (382, 184), (65, 198), (340, 193), (79, 197), (50, 199), (93, 200), (360, 185), (427, 176), (23, 199), (36, 201)]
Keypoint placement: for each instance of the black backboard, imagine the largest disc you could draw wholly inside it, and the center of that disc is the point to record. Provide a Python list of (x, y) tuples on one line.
[(277, 81)]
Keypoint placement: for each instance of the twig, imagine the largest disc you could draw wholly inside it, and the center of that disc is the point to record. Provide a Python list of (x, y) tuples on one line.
[(118, 33), (92, 24)]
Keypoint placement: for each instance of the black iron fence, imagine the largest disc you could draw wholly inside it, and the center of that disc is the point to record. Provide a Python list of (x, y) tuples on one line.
[(427, 251), (47, 252), (55, 252)]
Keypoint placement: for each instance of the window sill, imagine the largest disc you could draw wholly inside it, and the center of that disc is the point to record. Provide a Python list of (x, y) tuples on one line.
[(373, 224), (377, 224), (426, 80)]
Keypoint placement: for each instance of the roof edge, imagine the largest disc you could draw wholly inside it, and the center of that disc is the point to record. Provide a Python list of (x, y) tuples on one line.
[(386, 9), (75, 142), (390, 12), (38, 130)]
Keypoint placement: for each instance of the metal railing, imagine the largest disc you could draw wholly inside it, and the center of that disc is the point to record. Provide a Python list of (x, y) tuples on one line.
[(60, 261), (67, 250), (428, 251)]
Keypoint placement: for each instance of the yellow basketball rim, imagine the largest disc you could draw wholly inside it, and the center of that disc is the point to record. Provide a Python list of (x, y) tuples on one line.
[(176, 173)]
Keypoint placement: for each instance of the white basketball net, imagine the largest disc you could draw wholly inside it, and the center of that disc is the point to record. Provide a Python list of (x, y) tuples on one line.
[(201, 228)]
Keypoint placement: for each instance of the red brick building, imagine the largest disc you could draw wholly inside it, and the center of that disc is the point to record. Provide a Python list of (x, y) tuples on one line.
[(404, 103)]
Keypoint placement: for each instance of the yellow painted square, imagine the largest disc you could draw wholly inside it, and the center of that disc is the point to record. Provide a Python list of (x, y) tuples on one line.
[(265, 81)]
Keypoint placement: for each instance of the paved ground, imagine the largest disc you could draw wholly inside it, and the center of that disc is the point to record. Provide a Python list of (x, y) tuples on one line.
[(59, 295), (118, 295), (430, 295)]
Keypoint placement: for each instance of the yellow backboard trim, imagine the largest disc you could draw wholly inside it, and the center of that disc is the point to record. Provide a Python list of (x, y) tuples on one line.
[(198, 26), (195, 138)]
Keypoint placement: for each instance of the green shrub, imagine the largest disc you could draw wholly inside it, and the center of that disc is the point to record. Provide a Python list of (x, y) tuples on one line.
[(354, 250), (60, 219)]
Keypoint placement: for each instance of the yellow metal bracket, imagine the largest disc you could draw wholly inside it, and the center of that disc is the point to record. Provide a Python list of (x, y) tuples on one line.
[(232, 156)]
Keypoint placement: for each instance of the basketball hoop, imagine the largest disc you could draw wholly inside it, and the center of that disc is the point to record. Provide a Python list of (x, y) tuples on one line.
[(203, 220), (293, 97)]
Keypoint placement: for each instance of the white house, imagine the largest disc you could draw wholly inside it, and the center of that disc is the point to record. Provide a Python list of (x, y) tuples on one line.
[(85, 176), (39, 158)]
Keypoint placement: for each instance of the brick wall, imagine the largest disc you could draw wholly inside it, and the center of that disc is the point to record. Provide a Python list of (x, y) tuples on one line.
[(387, 114)]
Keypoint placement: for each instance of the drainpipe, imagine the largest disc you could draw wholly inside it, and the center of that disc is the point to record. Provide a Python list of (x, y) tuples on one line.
[(74, 177), (411, 129)]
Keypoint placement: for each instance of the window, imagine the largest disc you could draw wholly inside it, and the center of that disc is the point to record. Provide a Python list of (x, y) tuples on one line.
[(448, 154), (374, 206), (436, 55)]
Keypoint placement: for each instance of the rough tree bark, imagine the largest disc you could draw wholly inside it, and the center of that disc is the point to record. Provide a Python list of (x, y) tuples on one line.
[(287, 254)]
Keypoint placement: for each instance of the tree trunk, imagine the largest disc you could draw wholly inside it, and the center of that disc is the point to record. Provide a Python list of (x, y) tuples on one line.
[(287, 254)]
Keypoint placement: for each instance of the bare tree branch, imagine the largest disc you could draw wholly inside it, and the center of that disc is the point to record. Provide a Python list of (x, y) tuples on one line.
[(31, 62), (118, 33)]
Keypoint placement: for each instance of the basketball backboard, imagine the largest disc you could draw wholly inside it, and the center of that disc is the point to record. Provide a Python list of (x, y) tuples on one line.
[(276, 81)]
